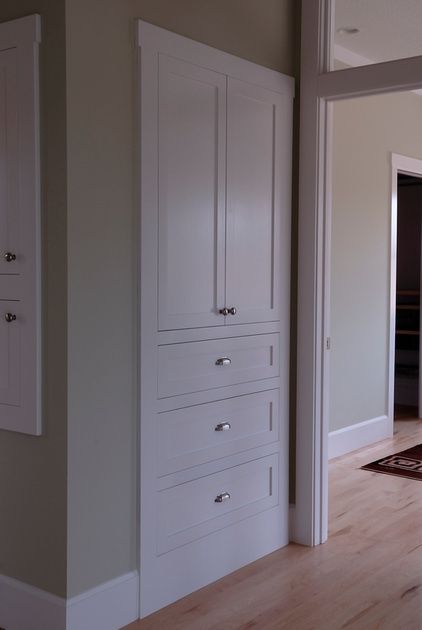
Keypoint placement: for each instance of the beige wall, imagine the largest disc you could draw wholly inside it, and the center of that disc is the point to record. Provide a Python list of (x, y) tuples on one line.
[(102, 250), (33, 469), (366, 131)]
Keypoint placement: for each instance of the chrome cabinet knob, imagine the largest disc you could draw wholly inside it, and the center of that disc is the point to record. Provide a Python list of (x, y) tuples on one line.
[(9, 256), (223, 426), (224, 311), (233, 310), (10, 317), (223, 361), (224, 496)]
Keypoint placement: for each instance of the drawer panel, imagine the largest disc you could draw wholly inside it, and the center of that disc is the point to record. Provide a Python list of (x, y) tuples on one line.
[(189, 511), (189, 367), (196, 435)]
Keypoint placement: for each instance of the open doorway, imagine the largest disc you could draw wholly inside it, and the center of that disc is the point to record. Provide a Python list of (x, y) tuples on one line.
[(407, 355)]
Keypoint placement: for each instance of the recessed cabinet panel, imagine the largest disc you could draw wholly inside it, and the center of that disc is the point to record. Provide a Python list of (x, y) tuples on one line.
[(9, 206), (10, 316), (199, 434), (195, 366), (254, 171), (191, 128), (199, 507)]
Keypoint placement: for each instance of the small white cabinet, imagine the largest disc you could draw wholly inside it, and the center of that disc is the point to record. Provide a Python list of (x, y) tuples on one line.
[(20, 228), (215, 182)]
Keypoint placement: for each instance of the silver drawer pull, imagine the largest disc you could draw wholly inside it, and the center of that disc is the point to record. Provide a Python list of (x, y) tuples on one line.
[(223, 426), (224, 496), (223, 361), (233, 310), (10, 317), (224, 311)]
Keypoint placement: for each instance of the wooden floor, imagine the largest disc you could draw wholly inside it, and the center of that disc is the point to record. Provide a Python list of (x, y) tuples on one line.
[(367, 576)]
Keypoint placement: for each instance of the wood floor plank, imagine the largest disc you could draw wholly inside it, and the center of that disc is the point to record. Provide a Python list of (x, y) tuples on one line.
[(368, 575)]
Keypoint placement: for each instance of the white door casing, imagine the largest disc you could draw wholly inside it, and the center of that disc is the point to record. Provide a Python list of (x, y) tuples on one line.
[(319, 87)]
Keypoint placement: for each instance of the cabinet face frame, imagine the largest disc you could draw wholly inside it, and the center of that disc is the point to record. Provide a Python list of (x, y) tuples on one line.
[(20, 280), (152, 41), (319, 88)]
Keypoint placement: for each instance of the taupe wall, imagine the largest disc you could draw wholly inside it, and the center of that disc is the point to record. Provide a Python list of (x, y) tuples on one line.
[(366, 131), (33, 491), (102, 249)]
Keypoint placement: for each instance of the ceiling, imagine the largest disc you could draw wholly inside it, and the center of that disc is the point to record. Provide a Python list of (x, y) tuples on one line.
[(388, 29)]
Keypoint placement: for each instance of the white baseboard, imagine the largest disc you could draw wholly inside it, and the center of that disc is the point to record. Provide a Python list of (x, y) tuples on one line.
[(358, 435), (24, 607), (109, 606)]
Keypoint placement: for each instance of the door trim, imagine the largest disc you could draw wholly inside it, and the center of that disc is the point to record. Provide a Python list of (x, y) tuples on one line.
[(320, 87)]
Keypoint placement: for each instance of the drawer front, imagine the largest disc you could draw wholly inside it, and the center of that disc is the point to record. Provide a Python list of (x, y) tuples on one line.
[(198, 508), (190, 367), (200, 434)]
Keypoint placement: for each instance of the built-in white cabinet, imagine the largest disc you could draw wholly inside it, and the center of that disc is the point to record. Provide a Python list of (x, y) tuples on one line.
[(221, 143), (20, 228), (215, 187)]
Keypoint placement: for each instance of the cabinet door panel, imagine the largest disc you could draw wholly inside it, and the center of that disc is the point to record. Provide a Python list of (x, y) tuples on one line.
[(254, 176), (191, 127), (9, 216), (9, 353)]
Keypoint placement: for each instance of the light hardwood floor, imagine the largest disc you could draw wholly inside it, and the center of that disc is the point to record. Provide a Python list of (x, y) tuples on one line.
[(367, 576)]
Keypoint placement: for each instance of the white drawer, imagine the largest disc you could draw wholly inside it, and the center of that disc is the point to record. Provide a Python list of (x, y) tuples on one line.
[(190, 367), (196, 435), (190, 511)]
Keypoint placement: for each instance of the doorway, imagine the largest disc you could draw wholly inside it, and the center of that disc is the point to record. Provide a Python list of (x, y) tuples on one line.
[(407, 355)]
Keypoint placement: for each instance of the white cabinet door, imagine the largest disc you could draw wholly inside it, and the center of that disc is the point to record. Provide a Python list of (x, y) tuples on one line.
[(256, 141), (9, 354), (191, 175), (9, 210)]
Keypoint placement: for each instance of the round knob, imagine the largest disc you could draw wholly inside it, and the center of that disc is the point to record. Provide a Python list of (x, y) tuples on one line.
[(232, 310), (9, 256), (10, 317), (224, 311)]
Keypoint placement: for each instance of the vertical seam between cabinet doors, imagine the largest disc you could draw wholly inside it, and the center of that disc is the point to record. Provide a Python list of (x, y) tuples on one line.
[(226, 195), (273, 210)]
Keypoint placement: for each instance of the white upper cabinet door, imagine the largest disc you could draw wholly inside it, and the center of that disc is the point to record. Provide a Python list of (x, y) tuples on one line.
[(191, 175), (256, 141), (9, 210)]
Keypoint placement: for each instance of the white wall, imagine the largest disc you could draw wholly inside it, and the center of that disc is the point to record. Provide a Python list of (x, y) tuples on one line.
[(366, 131)]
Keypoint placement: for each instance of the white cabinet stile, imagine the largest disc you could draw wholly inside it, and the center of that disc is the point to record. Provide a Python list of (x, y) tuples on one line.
[(215, 147)]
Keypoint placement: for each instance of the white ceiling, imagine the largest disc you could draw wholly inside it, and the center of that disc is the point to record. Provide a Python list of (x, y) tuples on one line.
[(389, 29)]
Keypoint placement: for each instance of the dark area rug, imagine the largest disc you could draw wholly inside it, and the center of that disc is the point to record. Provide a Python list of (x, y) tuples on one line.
[(407, 464)]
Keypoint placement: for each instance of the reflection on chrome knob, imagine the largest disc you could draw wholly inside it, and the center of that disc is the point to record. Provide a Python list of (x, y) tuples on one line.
[(9, 256), (223, 426), (233, 310), (222, 497), (223, 361), (224, 311), (10, 317)]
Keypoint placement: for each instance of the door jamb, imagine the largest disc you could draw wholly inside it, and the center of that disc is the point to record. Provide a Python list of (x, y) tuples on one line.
[(320, 87)]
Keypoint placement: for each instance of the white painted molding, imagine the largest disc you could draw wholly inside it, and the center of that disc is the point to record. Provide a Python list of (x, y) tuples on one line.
[(352, 59), (358, 435), (109, 606), (24, 607)]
